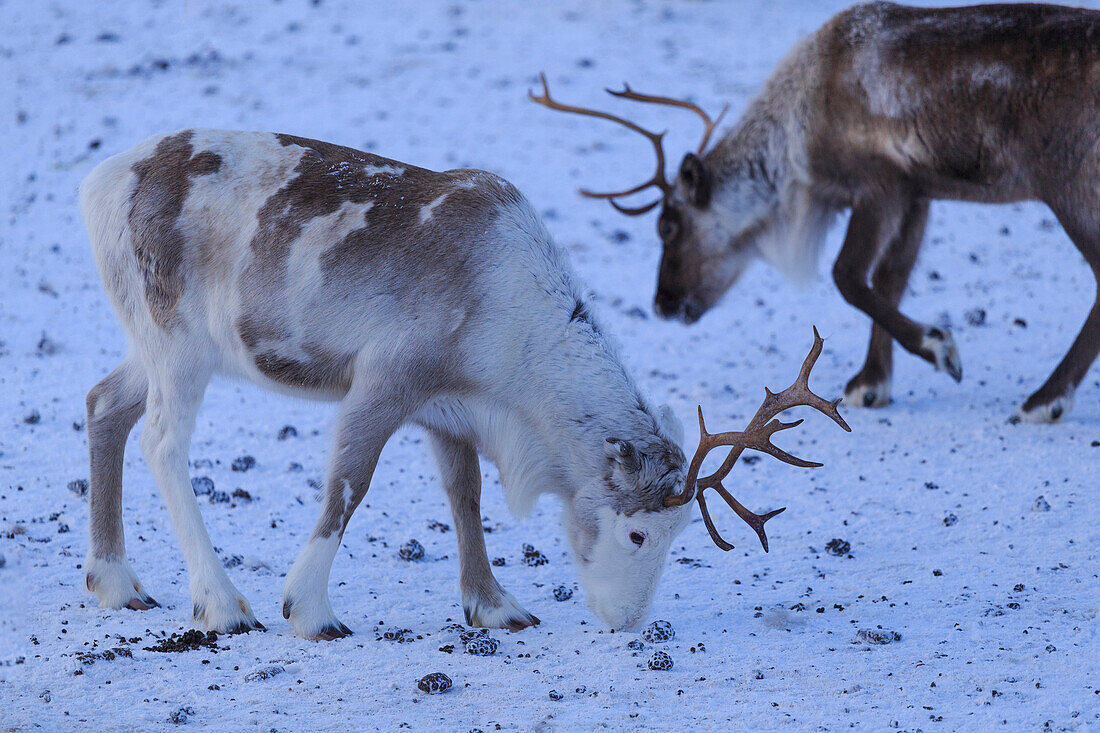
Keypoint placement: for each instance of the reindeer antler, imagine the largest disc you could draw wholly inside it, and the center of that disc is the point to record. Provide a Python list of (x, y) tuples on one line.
[(757, 436), (658, 180)]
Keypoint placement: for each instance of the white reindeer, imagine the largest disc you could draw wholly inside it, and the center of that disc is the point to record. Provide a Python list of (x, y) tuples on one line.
[(407, 296)]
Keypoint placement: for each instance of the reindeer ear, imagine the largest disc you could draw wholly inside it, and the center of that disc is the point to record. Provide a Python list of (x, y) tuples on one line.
[(671, 424), (624, 453), (696, 180)]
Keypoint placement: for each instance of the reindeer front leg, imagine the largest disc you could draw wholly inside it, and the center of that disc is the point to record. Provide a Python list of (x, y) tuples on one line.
[(873, 223), (369, 415), (485, 602), (871, 386)]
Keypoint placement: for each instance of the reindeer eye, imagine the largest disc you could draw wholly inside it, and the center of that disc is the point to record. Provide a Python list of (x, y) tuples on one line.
[(637, 538), (667, 229)]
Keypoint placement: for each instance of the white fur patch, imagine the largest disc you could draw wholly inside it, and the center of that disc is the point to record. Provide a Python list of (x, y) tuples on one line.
[(306, 588), (428, 209)]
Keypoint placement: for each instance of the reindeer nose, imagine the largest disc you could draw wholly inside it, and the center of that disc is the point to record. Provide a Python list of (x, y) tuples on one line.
[(667, 303)]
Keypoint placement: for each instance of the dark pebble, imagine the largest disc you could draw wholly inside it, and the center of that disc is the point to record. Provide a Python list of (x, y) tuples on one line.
[(288, 431), (411, 551), (660, 661), (243, 463), (434, 683)]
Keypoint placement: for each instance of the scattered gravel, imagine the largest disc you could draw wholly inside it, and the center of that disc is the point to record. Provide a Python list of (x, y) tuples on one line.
[(243, 463), (189, 640), (880, 636), (264, 673), (182, 716), (532, 557)]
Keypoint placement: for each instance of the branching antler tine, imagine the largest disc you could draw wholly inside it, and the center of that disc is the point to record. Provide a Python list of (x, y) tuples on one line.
[(654, 138), (617, 194), (629, 211), (718, 540), (756, 521), (710, 129), (710, 125), (777, 452)]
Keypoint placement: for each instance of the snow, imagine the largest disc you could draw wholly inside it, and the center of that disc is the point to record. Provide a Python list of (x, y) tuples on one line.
[(996, 611)]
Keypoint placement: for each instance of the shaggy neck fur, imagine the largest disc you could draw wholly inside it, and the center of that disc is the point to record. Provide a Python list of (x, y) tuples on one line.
[(767, 151)]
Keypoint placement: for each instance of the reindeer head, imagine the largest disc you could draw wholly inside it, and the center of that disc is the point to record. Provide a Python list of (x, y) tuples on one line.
[(622, 526), (708, 232)]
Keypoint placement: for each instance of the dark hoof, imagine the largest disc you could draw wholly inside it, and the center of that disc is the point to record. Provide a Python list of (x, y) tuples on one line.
[(286, 609), (245, 627), (331, 633), (519, 624), (144, 603)]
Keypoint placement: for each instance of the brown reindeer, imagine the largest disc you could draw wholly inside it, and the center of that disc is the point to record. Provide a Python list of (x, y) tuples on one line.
[(881, 110)]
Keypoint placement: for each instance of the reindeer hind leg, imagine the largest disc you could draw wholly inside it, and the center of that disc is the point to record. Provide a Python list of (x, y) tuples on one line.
[(114, 406), (484, 601), (1053, 401)]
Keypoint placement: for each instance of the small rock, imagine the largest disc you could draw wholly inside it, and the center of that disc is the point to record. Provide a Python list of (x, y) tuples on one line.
[(975, 316), (287, 431), (498, 562), (181, 716), (561, 593), (659, 632), (401, 636), (950, 520), (482, 646), (635, 644), (411, 551), (472, 634), (532, 557), (264, 673), (555, 695), (758, 674), (242, 495), (243, 463), (219, 497), (838, 547), (79, 487), (883, 636), (32, 418), (202, 485), (660, 661), (1040, 505), (434, 683)]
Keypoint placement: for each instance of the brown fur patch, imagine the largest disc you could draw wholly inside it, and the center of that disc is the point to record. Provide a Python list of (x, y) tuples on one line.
[(163, 182), (391, 240)]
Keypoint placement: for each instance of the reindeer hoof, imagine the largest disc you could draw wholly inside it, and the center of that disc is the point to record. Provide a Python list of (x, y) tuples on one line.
[(115, 585), (940, 344), (505, 614), (144, 603), (1050, 412), (225, 615), (867, 395), (332, 632)]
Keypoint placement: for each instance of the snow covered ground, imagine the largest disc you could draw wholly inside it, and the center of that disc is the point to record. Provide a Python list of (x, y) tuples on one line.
[(976, 541)]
